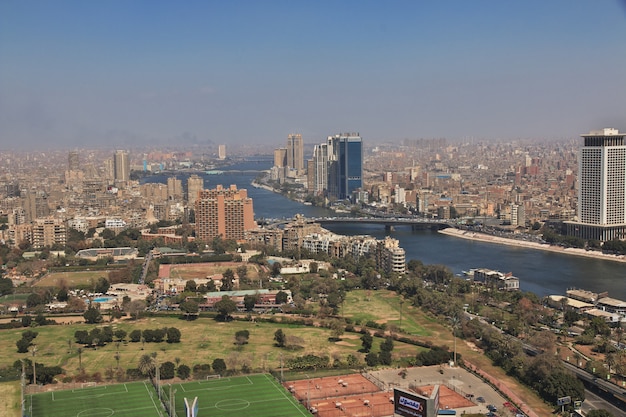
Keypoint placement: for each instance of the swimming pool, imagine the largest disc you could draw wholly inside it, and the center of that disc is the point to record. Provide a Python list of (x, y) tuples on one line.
[(103, 299)]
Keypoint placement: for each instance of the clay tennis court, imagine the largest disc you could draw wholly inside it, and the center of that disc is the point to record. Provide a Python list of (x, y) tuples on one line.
[(448, 399), (336, 386), (355, 396), (366, 405)]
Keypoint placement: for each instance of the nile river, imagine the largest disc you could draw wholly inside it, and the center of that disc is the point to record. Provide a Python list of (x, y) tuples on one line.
[(540, 272)]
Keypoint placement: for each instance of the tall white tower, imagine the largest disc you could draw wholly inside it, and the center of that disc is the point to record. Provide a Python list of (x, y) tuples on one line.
[(121, 164), (602, 187)]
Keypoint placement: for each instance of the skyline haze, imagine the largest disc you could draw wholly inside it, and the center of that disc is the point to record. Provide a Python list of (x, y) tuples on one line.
[(127, 74)]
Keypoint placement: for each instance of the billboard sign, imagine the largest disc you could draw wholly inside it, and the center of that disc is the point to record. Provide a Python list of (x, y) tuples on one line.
[(563, 401), (409, 404)]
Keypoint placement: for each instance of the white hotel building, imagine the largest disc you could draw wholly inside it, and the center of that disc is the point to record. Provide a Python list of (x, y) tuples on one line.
[(602, 187)]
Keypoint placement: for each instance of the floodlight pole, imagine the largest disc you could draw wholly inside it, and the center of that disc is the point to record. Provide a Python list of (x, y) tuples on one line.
[(308, 394), (23, 384), (172, 402), (455, 347), (158, 382), (34, 369)]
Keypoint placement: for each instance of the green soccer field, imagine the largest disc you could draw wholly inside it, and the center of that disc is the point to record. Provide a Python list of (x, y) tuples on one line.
[(253, 395), (137, 399)]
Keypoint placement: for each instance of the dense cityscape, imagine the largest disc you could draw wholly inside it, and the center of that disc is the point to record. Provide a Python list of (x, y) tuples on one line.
[(81, 209), (329, 209)]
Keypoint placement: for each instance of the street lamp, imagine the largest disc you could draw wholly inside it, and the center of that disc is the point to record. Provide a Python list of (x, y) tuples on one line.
[(34, 351), (455, 323), (23, 386)]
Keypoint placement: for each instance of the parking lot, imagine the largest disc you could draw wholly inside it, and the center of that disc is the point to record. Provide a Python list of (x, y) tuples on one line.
[(458, 379)]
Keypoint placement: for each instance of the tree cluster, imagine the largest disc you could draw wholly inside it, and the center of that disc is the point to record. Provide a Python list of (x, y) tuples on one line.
[(101, 336), (6, 286), (45, 374), (615, 246), (92, 315), (308, 362), (26, 341), (384, 356), (435, 356), (155, 335), (545, 373)]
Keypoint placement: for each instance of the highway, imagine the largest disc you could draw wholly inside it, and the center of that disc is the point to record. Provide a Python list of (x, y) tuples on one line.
[(594, 402), (603, 385), (607, 387)]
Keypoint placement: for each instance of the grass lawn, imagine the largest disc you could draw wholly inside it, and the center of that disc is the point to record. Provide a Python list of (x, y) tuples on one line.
[(383, 307), (202, 341), (71, 279), (10, 405), (253, 395), (13, 298), (137, 399)]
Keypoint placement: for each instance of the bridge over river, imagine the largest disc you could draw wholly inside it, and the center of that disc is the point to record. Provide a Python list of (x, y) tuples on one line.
[(416, 223)]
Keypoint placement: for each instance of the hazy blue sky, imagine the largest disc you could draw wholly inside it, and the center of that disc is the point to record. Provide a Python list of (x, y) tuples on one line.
[(110, 73)]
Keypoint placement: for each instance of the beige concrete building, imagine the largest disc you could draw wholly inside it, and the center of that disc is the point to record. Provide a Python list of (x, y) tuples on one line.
[(225, 212), (48, 232), (195, 184)]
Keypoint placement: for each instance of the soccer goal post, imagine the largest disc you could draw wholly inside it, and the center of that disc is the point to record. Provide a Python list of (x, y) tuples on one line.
[(191, 407)]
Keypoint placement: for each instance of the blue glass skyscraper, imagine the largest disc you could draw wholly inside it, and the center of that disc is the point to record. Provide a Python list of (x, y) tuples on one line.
[(345, 173)]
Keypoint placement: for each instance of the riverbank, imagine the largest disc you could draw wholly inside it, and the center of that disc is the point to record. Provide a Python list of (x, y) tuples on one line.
[(482, 237)]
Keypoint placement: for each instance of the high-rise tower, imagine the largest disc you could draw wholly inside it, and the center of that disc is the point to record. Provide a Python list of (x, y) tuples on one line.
[(602, 187), (345, 168), (174, 189), (121, 166), (295, 152), (73, 163), (195, 184), (221, 151), (319, 168)]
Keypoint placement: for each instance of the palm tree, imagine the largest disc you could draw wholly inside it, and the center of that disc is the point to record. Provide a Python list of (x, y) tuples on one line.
[(117, 359), (578, 357), (620, 365), (146, 364), (611, 360), (80, 357)]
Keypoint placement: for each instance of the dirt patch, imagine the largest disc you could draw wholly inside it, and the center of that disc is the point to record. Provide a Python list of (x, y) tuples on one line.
[(473, 347), (202, 270)]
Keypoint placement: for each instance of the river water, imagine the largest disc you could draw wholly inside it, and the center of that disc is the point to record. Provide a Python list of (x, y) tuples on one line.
[(540, 272)]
